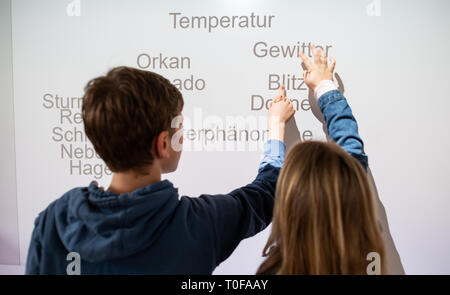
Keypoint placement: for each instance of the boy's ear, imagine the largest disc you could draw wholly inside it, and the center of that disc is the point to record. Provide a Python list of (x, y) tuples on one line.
[(162, 147)]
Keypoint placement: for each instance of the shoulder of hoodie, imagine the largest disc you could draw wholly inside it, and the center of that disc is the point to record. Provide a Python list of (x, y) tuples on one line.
[(49, 211)]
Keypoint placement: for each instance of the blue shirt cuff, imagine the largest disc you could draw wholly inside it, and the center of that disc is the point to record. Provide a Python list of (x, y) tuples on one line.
[(274, 151)]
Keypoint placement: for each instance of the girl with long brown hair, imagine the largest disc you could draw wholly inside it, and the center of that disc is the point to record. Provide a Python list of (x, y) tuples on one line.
[(324, 215)]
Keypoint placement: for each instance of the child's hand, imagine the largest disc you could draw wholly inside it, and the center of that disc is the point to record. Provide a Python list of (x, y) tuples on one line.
[(280, 111), (281, 108), (319, 71)]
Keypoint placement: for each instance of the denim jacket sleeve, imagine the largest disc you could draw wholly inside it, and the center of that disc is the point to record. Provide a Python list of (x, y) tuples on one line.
[(341, 124)]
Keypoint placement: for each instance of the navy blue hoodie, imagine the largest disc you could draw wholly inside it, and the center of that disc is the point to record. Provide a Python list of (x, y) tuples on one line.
[(152, 230)]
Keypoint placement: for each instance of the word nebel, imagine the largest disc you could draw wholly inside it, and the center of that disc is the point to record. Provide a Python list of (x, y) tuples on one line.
[(86, 151), (224, 22)]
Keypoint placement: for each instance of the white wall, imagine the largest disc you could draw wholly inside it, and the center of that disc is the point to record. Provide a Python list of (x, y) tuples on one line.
[(9, 235)]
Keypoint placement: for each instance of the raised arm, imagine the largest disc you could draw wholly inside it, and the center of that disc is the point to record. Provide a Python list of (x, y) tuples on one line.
[(247, 210), (340, 122)]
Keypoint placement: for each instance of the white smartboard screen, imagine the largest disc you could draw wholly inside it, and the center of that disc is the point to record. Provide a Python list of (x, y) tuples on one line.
[(228, 58)]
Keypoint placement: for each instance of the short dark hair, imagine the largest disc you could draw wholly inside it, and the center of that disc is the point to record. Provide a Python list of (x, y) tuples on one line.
[(124, 111)]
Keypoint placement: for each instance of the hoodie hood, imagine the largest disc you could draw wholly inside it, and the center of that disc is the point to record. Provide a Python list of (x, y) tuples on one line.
[(102, 225)]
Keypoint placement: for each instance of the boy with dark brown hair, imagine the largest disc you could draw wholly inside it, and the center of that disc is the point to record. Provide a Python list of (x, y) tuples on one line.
[(139, 225)]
